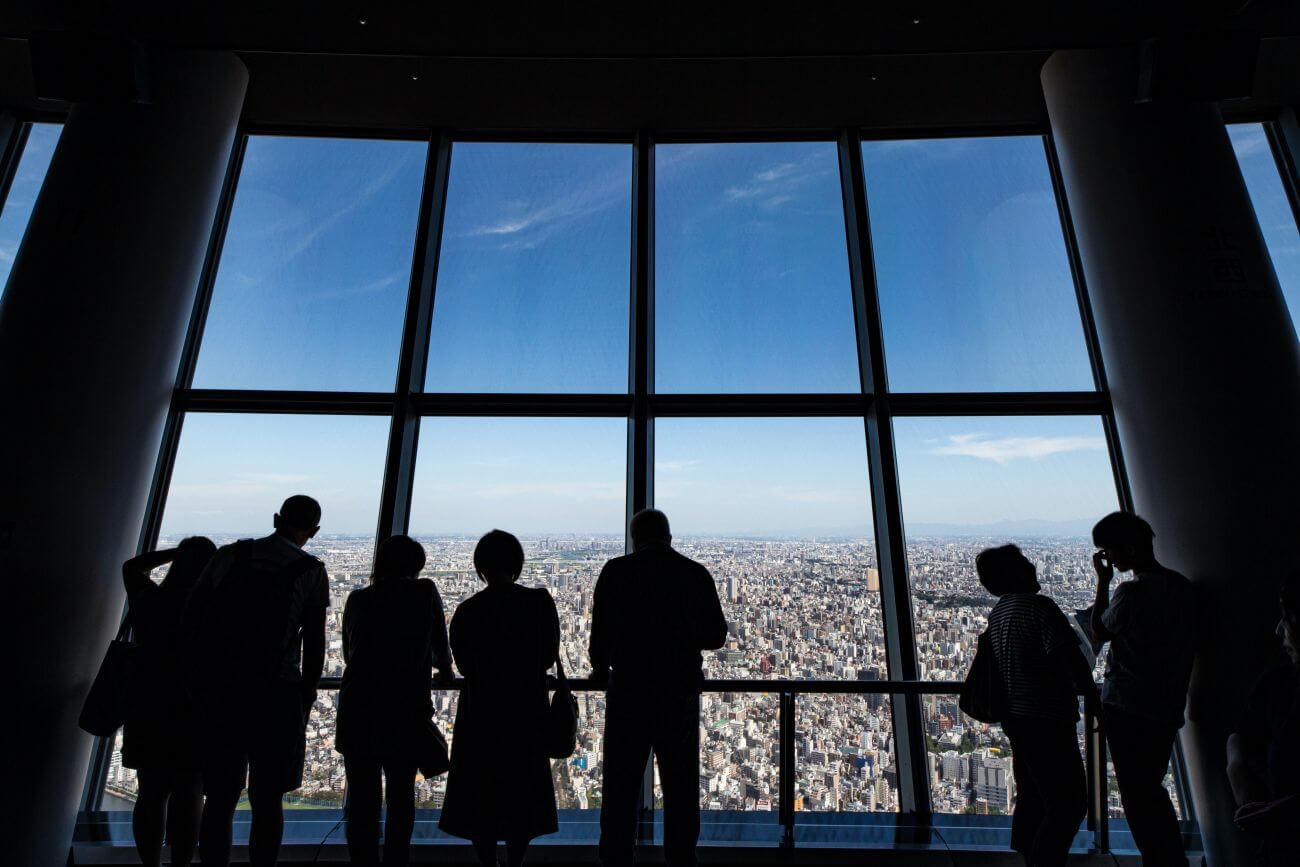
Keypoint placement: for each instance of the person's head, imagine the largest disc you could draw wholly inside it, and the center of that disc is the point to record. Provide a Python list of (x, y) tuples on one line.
[(1004, 570), (499, 558), (397, 557), (650, 527), (1288, 627), (298, 518), (192, 556), (1125, 539)]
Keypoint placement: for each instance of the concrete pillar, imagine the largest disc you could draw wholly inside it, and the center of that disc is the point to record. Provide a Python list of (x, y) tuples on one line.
[(91, 328), (1203, 368)]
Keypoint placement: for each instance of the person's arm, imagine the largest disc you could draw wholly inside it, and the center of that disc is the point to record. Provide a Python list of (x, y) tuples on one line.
[(349, 616), (711, 622), (313, 653), (551, 635), (598, 647), (440, 648), (1065, 654), (1248, 784), (1105, 574), (136, 571), (313, 635)]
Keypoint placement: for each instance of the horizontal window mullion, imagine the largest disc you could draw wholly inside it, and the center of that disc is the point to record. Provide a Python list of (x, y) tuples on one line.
[(447, 404), (757, 405), (311, 402), (1000, 403)]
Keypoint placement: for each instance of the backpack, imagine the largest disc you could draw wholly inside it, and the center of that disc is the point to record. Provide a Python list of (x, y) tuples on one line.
[(243, 635)]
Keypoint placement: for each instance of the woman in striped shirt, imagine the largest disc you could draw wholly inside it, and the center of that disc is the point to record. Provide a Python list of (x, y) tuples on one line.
[(1043, 671)]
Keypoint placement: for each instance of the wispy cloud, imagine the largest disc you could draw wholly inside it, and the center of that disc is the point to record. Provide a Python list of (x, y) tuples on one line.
[(362, 195), (777, 184), (810, 495), (525, 223), (558, 490), (676, 466), (1002, 450), (241, 485), (372, 287)]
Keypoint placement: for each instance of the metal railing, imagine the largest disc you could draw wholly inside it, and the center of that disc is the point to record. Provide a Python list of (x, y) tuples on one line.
[(788, 690)]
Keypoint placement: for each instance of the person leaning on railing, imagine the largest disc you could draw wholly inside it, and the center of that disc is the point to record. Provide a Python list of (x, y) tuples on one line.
[(1043, 672), (394, 634)]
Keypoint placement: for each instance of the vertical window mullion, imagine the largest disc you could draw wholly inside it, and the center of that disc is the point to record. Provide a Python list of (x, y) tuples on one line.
[(640, 429), (404, 435), (900, 637)]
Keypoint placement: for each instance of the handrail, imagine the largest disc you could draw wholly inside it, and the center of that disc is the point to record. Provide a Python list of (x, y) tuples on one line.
[(820, 687)]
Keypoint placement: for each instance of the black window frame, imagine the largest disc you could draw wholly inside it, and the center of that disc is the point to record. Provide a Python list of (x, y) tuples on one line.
[(874, 404)]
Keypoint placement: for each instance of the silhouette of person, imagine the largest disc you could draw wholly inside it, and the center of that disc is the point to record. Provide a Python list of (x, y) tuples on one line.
[(1151, 624), (257, 619), (653, 612), (1043, 671), (1264, 752), (158, 740), (394, 634), (503, 638)]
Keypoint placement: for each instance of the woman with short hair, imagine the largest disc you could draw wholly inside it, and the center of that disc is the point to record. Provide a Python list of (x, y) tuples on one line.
[(504, 638), (1043, 672), (394, 634)]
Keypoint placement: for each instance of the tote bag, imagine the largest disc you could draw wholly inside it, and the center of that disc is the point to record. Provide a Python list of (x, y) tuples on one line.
[(109, 698), (983, 695), (562, 717)]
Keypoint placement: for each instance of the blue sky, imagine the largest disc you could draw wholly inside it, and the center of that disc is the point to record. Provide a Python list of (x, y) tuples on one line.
[(1276, 219), (752, 295), (32, 165)]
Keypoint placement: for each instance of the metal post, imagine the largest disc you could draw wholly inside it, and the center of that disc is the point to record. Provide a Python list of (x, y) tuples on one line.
[(786, 771), (900, 646)]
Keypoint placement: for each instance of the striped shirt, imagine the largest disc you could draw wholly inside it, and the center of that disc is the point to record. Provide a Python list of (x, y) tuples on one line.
[(1024, 629)]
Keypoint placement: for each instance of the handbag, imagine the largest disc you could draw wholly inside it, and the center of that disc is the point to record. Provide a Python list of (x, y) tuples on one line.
[(983, 695), (109, 699), (562, 717), (431, 755)]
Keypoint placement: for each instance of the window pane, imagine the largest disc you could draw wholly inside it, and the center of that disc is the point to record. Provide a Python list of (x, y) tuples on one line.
[(975, 287), (779, 510), (968, 484), (312, 285), (533, 277), (28, 177), (230, 476), (844, 755), (752, 288), (1273, 210), (557, 484)]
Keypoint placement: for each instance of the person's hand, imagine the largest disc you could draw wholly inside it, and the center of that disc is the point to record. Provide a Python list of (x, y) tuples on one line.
[(308, 701), (1105, 571), (1092, 706)]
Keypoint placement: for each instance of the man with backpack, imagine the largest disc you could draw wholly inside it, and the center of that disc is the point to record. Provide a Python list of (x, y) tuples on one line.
[(256, 621)]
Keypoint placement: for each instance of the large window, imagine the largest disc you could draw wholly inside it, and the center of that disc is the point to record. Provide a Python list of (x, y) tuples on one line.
[(36, 142), (1273, 208), (443, 337)]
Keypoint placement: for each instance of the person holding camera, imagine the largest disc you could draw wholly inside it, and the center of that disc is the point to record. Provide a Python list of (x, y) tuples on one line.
[(1151, 624)]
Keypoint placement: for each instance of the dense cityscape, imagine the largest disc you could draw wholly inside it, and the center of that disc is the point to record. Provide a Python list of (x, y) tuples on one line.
[(796, 608)]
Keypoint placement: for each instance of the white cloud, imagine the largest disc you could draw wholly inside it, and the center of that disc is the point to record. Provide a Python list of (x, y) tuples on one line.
[(775, 185), (676, 466), (373, 287), (363, 195), (1002, 450)]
